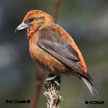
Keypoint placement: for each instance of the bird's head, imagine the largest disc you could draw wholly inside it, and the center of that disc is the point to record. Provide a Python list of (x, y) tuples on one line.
[(33, 20)]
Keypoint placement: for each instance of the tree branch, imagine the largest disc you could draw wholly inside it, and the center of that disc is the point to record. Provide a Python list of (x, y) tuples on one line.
[(39, 81), (53, 98), (56, 8)]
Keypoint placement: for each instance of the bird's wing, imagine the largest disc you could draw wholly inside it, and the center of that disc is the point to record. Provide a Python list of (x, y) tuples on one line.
[(50, 41)]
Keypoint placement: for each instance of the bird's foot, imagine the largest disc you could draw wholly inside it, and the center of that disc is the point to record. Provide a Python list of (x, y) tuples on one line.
[(53, 80)]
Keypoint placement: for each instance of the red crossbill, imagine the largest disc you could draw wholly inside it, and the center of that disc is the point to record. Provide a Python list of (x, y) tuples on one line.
[(53, 48)]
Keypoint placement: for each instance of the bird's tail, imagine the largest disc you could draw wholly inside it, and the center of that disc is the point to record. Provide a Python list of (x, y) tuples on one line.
[(90, 86)]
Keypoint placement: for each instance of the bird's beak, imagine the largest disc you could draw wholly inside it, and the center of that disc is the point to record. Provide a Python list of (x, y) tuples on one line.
[(22, 26)]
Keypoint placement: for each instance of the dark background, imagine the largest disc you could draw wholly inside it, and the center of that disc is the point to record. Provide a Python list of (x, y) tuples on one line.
[(85, 20)]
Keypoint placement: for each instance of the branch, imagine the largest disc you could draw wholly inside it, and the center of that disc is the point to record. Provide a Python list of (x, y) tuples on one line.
[(39, 80), (53, 98), (56, 8)]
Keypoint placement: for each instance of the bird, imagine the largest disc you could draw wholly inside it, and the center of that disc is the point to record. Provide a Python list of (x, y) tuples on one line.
[(53, 48)]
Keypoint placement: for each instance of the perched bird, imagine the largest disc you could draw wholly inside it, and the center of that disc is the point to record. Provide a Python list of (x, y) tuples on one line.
[(53, 48)]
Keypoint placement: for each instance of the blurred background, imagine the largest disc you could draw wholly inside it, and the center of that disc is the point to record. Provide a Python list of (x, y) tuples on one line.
[(85, 20)]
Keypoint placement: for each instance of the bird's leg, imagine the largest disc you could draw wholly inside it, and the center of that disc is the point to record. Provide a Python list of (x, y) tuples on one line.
[(53, 80)]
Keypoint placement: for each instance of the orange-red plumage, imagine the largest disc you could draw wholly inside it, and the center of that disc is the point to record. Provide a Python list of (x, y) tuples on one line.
[(53, 48)]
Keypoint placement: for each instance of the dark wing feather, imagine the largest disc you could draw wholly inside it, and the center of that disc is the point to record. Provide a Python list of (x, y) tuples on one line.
[(58, 51), (62, 51)]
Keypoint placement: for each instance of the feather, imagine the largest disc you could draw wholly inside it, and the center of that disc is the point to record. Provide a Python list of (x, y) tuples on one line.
[(90, 86)]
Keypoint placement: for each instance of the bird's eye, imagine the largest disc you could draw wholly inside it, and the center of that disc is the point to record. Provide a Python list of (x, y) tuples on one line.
[(31, 19)]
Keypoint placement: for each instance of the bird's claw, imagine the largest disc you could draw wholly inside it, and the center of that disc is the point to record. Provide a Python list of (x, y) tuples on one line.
[(52, 80)]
